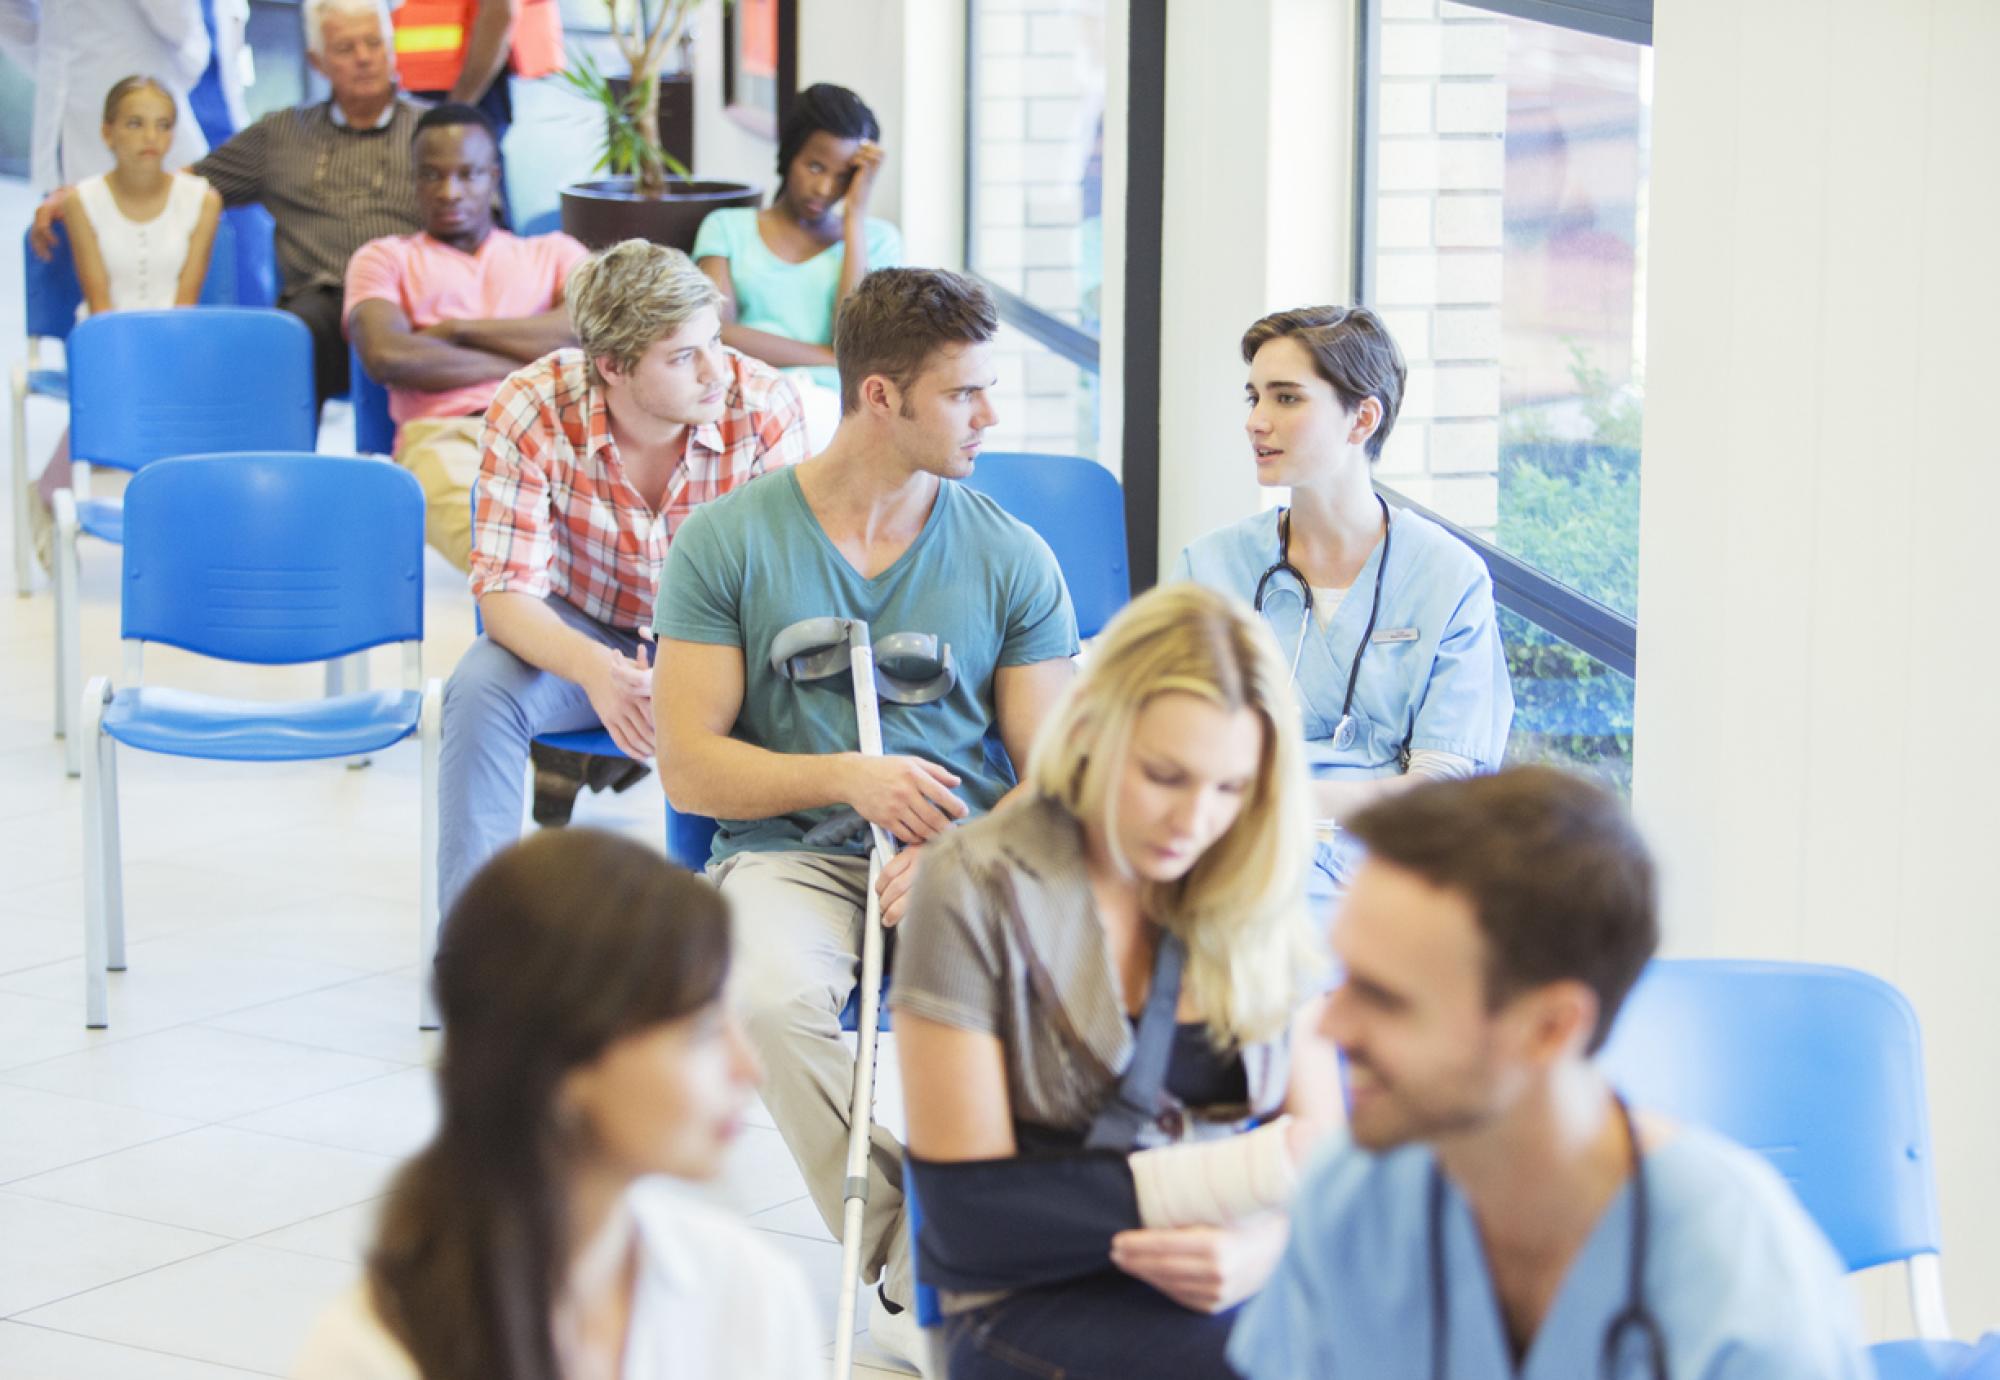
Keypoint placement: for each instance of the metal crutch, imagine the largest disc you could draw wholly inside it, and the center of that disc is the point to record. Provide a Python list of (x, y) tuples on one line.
[(810, 650)]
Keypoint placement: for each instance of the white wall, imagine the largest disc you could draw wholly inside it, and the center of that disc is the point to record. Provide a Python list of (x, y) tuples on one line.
[(1259, 171), (869, 46), (1816, 760)]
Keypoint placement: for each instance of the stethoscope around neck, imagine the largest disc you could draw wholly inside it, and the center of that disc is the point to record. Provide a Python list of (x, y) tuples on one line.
[(1635, 1316), (1345, 731)]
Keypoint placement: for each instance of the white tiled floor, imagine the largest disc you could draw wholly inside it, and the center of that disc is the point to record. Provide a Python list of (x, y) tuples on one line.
[(180, 1193)]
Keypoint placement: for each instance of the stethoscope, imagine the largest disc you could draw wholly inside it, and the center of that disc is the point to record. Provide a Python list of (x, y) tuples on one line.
[(1345, 731), (1634, 1316)]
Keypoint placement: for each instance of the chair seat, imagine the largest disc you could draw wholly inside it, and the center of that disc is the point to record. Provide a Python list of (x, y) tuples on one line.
[(186, 724), (103, 519), (49, 383), (591, 740), (1918, 1360)]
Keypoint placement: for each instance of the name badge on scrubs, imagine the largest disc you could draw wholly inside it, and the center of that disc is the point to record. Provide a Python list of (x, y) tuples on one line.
[(1396, 635)]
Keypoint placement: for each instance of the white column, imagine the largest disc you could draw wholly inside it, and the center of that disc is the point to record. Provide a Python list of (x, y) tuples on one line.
[(1816, 761)]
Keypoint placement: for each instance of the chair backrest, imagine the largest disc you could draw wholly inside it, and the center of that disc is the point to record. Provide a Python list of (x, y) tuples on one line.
[(219, 289), (929, 1314), (255, 235), (147, 384), (689, 839), (547, 223), (274, 558), (1078, 508), (1819, 1069), (51, 293), (374, 428)]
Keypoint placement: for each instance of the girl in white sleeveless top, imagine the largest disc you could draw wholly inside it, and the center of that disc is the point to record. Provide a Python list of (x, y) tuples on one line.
[(141, 235)]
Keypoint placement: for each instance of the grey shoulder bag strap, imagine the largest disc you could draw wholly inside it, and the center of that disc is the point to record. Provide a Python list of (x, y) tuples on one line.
[(1137, 1102)]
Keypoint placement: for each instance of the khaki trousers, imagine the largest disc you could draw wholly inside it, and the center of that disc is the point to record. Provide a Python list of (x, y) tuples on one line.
[(798, 946), (443, 453)]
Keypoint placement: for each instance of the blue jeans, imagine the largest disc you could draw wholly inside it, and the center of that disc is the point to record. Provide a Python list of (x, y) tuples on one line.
[(1107, 1326), (494, 706)]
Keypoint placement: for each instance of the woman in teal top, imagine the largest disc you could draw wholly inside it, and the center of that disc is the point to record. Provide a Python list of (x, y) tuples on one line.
[(783, 270)]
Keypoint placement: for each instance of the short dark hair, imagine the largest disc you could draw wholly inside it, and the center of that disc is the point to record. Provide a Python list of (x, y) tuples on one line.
[(897, 318), (1560, 879), (1351, 349), (823, 106), (450, 113)]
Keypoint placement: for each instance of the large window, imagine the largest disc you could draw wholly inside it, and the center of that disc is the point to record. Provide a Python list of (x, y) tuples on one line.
[(1034, 215), (1503, 235)]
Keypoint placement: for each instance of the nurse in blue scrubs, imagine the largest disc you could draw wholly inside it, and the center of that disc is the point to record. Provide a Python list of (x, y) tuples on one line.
[(1386, 619)]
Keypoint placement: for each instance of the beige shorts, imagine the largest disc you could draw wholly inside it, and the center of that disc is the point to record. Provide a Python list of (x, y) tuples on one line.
[(443, 453)]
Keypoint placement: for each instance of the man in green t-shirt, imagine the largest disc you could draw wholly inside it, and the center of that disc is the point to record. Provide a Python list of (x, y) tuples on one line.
[(870, 529)]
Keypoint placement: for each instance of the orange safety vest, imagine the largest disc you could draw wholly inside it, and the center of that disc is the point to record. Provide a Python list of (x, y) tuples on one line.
[(431, 36)]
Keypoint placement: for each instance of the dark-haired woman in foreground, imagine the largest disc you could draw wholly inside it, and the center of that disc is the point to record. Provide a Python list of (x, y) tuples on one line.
[(784, 271), (589, 1057)]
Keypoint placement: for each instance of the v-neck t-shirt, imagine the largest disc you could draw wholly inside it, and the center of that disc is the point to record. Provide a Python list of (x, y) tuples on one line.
[(746, 566), (1741, 1282)]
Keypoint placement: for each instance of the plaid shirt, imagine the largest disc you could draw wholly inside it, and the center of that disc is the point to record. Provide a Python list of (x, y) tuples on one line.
[(555, 513)]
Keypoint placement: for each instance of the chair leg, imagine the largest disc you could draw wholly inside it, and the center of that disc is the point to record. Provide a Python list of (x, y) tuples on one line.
[(96, 986), (348, 675), (24, 541), (1927, 1298), (430, 725), (114, 852), (69, 655)]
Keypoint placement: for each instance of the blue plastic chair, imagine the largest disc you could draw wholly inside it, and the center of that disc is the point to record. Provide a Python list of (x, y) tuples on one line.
[(242, 271), (1078, 507), (547, 223), (324, 558), (51, 296), (374, 428), (930, 1316), (1820, 1070), (149, 384), (256, 268), (598, 742)]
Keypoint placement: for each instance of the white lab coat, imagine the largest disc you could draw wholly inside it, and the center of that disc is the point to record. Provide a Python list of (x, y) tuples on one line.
[(82, 48)]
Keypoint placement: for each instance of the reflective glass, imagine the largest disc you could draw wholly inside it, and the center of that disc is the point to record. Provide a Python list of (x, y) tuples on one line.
[(1037, 174), (1507, 243), (1569, 707)]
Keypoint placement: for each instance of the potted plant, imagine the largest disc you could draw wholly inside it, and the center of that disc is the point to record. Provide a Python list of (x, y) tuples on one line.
[(650, 193)]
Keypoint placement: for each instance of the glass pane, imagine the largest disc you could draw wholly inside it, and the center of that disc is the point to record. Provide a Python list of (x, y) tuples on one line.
[(1508, 248), (1569, 707), (1045, 402), (1038, 155)]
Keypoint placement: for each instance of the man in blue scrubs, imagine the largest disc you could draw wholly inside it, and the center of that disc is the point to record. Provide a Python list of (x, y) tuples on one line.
[(1479, 1220)]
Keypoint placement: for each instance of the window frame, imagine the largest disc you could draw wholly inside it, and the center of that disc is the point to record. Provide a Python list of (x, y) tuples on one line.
[(1075, 344), (1535, 595)]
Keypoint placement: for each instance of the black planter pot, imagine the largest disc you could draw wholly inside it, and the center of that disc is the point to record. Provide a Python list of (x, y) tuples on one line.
[(608, 210)]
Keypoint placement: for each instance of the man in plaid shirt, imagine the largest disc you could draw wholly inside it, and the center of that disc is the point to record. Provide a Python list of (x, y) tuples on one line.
[(592, 458)]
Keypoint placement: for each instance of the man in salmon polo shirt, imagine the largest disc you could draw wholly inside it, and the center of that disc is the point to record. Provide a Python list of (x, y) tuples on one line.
[(441, 317)]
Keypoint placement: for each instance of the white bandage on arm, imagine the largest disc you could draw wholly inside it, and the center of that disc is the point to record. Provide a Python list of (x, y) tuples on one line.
[(1216, 1182), (1441, 766)]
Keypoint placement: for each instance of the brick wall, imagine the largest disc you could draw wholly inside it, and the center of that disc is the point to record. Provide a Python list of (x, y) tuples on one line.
[(1039, 98), (1440, 165)]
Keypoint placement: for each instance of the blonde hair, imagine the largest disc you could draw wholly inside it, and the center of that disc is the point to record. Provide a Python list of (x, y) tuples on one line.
[(625, 298), (1240, 910), (315, 13)]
